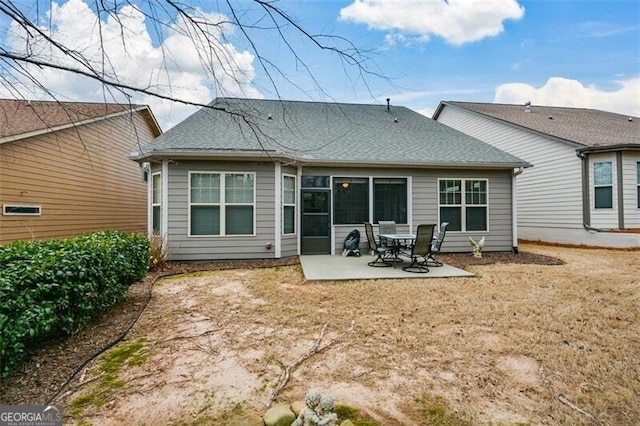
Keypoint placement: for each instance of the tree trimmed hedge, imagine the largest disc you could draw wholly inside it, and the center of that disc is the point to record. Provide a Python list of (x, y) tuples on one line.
[(52, 288)]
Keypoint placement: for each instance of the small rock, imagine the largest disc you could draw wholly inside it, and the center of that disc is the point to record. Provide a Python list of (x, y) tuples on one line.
[(296, 407), (279, 416), (347, 423)]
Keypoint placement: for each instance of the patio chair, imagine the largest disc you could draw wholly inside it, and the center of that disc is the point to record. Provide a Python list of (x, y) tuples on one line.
[(436, 245), (421, 249), (389, 227), (383, 254)]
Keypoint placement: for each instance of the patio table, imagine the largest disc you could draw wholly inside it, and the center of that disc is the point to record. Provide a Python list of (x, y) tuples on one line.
[(397, 242)]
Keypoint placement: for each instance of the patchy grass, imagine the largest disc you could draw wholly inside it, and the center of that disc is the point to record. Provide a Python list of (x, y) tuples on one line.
[(435, 412), (508, 347), (347, 412), (110, 365)]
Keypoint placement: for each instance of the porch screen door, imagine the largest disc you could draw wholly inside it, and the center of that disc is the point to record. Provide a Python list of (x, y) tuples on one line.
[(316, 221)]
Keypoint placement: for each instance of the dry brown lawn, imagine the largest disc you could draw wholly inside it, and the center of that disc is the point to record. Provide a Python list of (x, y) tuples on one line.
[(517, 344)]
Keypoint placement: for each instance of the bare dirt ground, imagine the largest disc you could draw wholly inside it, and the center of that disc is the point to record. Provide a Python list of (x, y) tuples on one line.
[(520, 343)]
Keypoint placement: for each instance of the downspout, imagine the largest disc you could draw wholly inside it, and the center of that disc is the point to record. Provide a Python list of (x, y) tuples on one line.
[(150, 202), (620, 190), (586, 202), (164, 222), (410, 198), (298, 218), (277, 238), (514, 209)]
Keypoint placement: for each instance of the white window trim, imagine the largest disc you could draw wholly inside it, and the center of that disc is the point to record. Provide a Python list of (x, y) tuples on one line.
[(464, 205), (609, 185), (222, 204), (294, 204), (5, 207), (153, 205)]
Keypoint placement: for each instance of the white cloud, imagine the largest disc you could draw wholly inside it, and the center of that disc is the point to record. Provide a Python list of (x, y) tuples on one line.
[(564, 92), (456, 21), (427, 112), (181, 65)]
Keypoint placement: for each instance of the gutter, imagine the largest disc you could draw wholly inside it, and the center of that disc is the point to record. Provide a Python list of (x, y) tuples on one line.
[(272, 154)]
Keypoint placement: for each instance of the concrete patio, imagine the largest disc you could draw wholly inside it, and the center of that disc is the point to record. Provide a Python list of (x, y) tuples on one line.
[(337, 268)]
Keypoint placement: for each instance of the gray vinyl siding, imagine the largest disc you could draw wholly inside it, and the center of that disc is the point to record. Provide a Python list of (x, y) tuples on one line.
[(185, 247), (630, 182), (549, 193), (499, 235), (423, 209)]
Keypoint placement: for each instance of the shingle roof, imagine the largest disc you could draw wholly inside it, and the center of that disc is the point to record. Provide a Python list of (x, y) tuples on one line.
[(18, 117), (317, 132), (589, 127)]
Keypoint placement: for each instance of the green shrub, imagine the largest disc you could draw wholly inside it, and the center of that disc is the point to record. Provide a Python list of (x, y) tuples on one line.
[(52, 288)]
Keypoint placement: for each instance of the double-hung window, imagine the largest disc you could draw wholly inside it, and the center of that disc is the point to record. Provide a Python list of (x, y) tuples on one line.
[(221, 203), (603, 185), (156, 201), (464, 204), (288, 204)]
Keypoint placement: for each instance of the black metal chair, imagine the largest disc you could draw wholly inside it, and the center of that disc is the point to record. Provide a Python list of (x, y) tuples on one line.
[(421, 249), (437, 245), (384, 254)]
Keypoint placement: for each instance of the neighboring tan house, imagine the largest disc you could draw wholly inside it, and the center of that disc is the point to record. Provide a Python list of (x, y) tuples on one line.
[(64, 168), (584, 187), (245, 179)]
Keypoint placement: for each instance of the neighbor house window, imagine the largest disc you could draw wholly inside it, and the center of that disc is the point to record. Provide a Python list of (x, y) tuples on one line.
[(221, 203), (603, 185), (156, 201), (21, 210), (464, 204), (350, 200), (390, 199), (288, 204)]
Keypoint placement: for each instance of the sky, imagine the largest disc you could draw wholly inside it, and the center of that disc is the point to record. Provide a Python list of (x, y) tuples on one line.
[(572, 53)]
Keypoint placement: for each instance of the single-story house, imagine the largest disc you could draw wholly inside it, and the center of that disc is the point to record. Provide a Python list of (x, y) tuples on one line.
[(65, 168), (251, 178), (584, 187)]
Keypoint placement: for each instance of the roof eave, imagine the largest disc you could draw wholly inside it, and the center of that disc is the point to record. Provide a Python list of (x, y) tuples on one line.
[(509, 123), (145, 110), (609, 148), (272, 155), (203, 154)]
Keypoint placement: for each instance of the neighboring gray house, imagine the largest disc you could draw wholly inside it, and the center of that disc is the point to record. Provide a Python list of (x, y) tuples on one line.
[(251, 178), (584, 187)]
